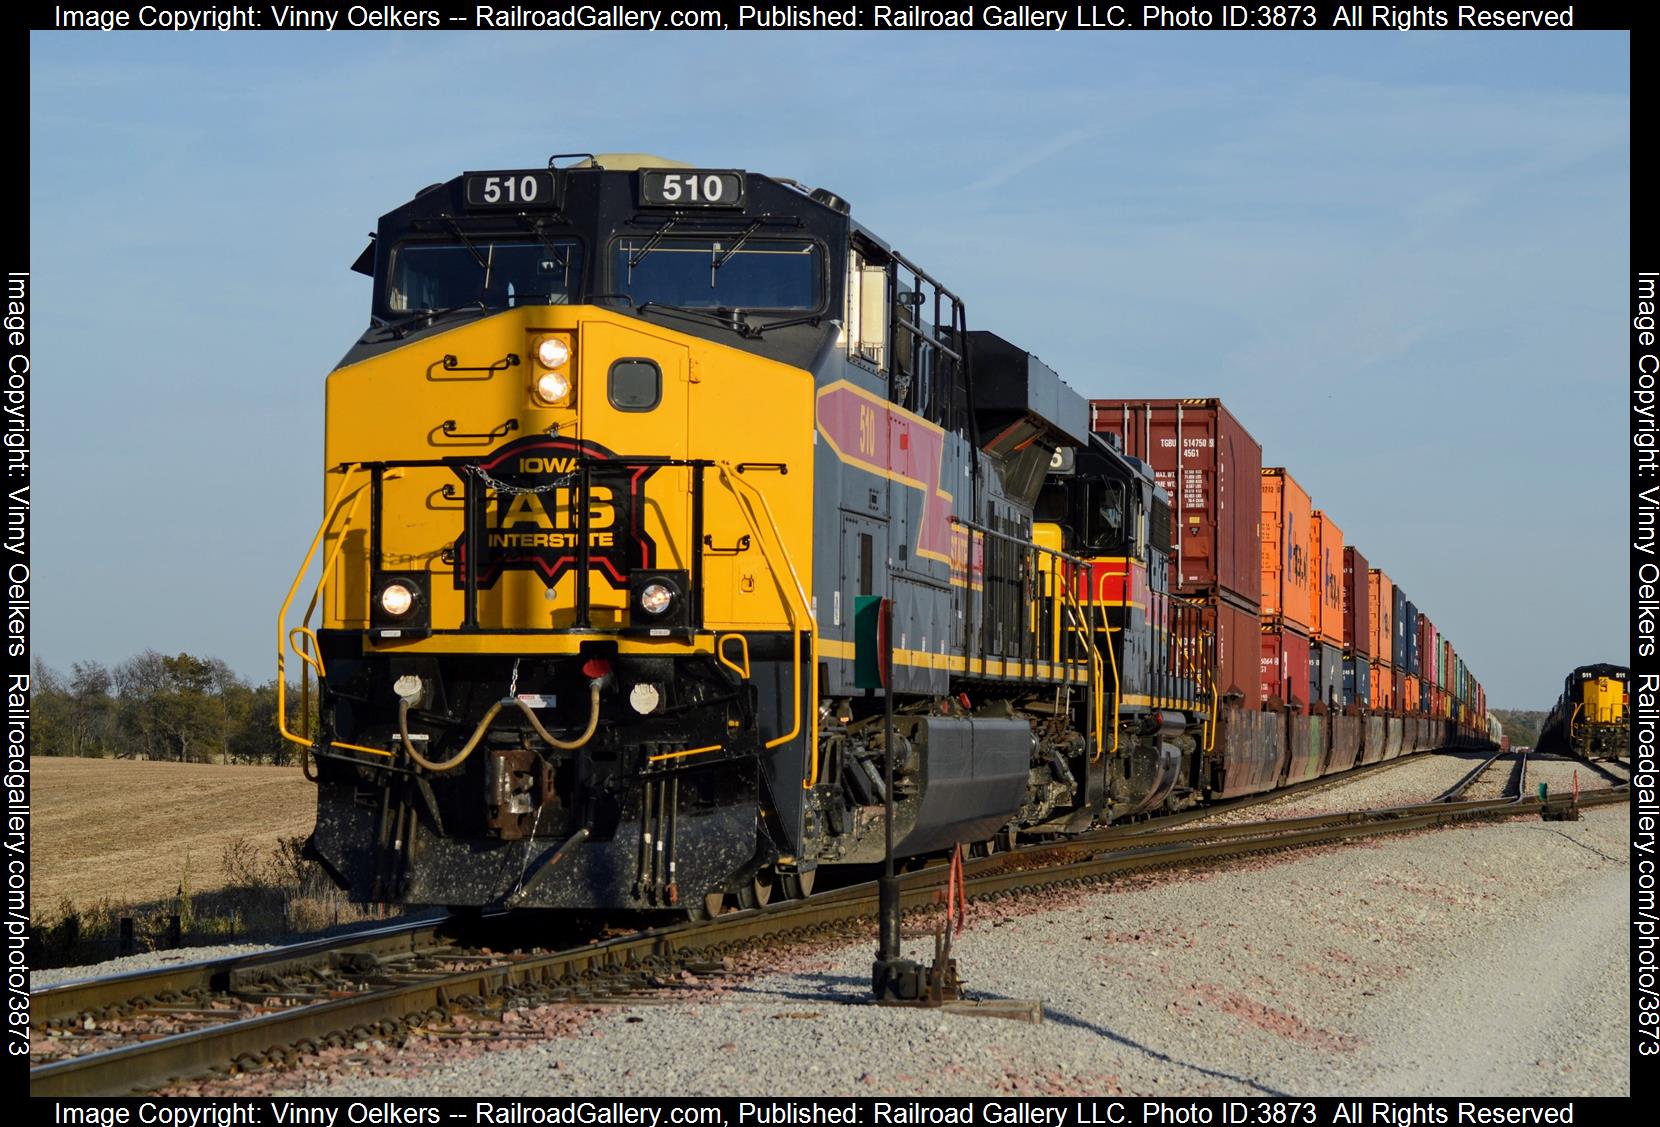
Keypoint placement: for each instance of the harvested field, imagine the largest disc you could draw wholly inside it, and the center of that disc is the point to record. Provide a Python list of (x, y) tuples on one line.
[(120, 830)]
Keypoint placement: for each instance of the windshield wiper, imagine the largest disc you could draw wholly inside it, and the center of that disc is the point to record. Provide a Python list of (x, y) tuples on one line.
[(399, 326), (810, 319), (639, 256), (726, 254), (724, 317), (561, 254), (468, 243)]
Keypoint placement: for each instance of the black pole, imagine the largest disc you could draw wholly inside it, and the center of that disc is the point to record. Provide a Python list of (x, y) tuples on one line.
[(887, 728), (888, 887), (893, 978)]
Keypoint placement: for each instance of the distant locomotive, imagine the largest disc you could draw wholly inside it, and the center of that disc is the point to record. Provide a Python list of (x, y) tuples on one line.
[(614, 482), (1592, 717)]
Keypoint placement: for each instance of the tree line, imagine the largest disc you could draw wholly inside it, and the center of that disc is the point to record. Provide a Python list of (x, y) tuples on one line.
[(152, 706)]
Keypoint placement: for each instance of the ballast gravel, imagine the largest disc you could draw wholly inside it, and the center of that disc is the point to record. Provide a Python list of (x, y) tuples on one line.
[(1486, 959)]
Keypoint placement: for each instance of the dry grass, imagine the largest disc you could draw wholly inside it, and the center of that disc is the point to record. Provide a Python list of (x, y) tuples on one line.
[(122, 831)]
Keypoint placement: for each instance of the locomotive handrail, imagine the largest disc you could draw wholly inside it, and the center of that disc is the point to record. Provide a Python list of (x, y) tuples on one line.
[(1097, 687), (720, 653), (1028, 545), (1117, 685), (733, 481), (475, 479), (284, 638)]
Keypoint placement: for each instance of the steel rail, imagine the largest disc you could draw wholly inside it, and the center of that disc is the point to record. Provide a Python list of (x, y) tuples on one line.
[(90, 995), (1456, 791), (386, 1012)]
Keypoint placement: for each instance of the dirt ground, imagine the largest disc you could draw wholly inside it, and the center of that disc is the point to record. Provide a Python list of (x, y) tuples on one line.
[(126, 830)]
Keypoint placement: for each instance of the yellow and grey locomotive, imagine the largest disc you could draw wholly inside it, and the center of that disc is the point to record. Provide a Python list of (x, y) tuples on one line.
[(611, 483), (1592, 717)]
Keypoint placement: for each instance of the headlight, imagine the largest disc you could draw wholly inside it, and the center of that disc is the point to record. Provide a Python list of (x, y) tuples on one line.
[(396, 599), (551, 352), (655, 598), (553, 386)]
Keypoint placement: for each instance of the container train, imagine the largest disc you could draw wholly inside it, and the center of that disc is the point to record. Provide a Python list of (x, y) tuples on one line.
[(1592, 717), (639, 473)]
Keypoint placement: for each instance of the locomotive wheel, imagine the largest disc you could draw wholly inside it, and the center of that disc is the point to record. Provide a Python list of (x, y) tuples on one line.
[(799, 886), (711, 905), (757, 893)]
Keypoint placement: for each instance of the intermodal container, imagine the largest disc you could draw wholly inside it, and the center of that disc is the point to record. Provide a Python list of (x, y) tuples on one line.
[(1215, 507), (1384, 683), (1284, 663), (1398, 656), (1357, 603), (1325, 673), (1287, 550), (1238, 650), (1328, 581), (1426, 650), (1357, 681), (1409, 694), (1443, 672), (1411, 637), (1380, 599)]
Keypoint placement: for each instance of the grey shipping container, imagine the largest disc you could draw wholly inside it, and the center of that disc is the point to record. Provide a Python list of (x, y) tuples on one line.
[(1325, 673)]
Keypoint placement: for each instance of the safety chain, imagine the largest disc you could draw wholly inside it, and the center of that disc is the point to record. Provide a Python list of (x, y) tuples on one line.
[(503, 487)]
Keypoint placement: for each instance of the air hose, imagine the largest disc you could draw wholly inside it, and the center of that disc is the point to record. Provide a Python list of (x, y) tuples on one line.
[(484, 725)]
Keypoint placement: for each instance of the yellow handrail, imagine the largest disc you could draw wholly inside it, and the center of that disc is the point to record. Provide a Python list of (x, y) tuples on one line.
[(1210, 728), (283, 636), (1117, 686), (720, 654), (730, 478), (1097, 693)]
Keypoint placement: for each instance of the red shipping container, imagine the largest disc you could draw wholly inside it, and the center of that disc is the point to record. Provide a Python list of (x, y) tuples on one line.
[(1214, 512), (1357, 603), (1238, 673), (1326, 570), (1380, 600), (1284, 665), (1287, 549)]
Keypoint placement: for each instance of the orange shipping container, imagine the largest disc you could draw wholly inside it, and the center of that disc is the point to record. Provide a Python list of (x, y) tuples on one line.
[(1287, 550), (1380, 598), (1409, 693), (1328, 581)]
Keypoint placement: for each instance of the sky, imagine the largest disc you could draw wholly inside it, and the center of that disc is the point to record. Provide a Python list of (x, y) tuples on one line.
[(1400, 259)]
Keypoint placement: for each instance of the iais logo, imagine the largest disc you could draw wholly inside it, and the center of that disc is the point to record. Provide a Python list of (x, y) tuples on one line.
[(529, 512)]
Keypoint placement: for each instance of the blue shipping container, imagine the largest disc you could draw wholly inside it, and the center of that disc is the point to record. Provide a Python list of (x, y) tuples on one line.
[(1412, 655), (1357, 681), (1397, 654)]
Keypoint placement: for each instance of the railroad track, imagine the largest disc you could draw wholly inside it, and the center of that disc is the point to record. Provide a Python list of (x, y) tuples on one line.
[(1617, 780), (382, 985), (1456, 791)]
